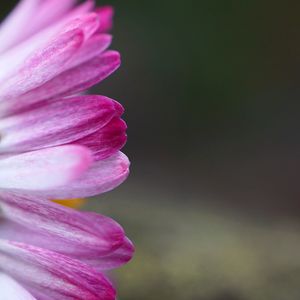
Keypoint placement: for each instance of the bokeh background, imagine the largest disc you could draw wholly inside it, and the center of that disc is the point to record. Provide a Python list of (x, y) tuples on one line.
[(212, 92)]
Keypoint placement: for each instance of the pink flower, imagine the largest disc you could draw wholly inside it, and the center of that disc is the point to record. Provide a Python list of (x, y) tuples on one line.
[(59, 253), (57, 143)]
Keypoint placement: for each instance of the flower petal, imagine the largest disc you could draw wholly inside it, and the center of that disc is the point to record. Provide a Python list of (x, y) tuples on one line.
[(106, 14), (106, 141), (39, 45), (91, 48), (55, 227), (56, 275), (114, 260), (30, 16), (57, 122), (74, 80), (44, 169), (98, 258), (40, 67), (102, 177), (11, 290), (11, 28)]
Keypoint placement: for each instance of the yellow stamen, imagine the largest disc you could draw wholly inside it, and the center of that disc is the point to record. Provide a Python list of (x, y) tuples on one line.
[(73, 203)]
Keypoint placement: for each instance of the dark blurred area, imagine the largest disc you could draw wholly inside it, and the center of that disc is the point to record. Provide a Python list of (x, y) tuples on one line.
[(212, 97)]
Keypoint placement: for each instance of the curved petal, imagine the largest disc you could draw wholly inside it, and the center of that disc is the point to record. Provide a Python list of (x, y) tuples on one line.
[(106, 141), (75, 80), (28, 17), (37, 48), (57, 122), (49, 225), (102, 177), (93, 47), (114, 260), (56, 275), (42, 65), (44, 169)]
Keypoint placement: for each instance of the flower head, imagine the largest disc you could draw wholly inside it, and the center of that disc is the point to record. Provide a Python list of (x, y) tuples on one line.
[(56, 142)]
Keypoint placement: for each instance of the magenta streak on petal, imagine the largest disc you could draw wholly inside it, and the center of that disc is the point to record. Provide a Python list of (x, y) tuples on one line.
[(114, 260), (57, 275), (56, 143), (38, 237), (106, 141), (43, 65), (71, 231), (12, 60), (57, 122), (74, 80)]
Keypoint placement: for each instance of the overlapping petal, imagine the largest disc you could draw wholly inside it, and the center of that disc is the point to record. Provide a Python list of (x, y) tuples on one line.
[(44, 169), (103, 176), (52, 274), (29, 17), (93, 47), (46, 224), (55, 143), (30, 55), (75, 80), (57, 122), (36, 50), (113, 260), (106, 141), (19, 76)]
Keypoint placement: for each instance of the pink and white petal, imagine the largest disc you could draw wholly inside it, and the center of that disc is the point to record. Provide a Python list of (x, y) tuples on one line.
[(102, 177), (74, 81), (93, 47), (106, 14), (49, 225), (113, 260), (88, 23), (56, 275), (69, 82), (77, 12), (31, 16), (44, 169), (12, 290), (48, 12), (99, 260), (106, 141), (11, 29), (57, 122), (40, 67), (12, 61)]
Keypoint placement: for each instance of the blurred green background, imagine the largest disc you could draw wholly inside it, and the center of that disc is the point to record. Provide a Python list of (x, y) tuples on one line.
[(212, 92)]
